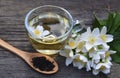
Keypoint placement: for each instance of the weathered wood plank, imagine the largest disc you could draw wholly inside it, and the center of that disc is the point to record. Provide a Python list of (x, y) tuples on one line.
[(12, 30)]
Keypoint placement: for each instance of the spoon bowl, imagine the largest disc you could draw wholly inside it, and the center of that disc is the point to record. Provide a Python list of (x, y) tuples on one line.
[(27, 57), (33, 55)]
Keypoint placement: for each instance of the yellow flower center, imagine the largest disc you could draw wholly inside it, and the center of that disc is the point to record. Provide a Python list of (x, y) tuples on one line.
[(78, 60), (37, 32), (102, 67), (71, 44), (107, 54), (91, 40), (91, 50), (80, 45), (103, 37)]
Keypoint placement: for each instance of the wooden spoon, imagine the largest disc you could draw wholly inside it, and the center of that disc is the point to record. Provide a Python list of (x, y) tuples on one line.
[(29, 56)]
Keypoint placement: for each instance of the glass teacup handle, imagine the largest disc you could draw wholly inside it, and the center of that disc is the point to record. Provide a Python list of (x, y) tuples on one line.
[(78, 26)]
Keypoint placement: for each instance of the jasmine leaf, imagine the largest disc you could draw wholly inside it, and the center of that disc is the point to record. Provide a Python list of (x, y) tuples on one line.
[(116, 58), (99, 23), (113, 22), (116, 23), (117, 34), (96, 22), (115, 45), (103, 22), (109, 22)]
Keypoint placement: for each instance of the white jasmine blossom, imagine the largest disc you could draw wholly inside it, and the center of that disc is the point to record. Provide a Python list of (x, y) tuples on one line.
[(72, 43), (67, 52), (90, 50), (96, 58), (103, 67), (79, 61), (39, 32), (105, 37), (91, 38), (80, 47), (108, 53)]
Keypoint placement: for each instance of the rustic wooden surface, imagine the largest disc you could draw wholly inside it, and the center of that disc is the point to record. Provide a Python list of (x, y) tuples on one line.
[(12, 30)]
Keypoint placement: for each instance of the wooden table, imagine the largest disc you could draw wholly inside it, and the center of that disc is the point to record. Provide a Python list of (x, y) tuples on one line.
[(12, 30)]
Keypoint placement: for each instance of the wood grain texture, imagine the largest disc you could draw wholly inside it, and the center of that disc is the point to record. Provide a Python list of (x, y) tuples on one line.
[(12, 30)]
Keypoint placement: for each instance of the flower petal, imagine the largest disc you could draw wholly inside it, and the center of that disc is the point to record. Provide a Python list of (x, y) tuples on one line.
[(85, 36), (68, 61), (109, 38), (95, 72), (88, 46), (106, 71), (104, 30), (63, 53), (83, 58), (88, 30), (84, 50), (96, 58), (75, 64), (32, 32), (93, 64), (107, 66), (106, 47), (46, 32), (71, 53), (111, 51), (77, 50), (40, 28), (98, 42), (88, 68), (98, 66), (80, 66), (91, 54), (95, 32), (80, 46)]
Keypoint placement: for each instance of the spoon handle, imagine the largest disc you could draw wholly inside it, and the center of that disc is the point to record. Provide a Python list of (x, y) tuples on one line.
[(12, 49)]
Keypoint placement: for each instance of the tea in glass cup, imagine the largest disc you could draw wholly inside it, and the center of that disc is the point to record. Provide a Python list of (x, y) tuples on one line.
[(48, 28)]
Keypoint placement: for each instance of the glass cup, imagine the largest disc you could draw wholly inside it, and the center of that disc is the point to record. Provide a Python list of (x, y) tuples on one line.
[(48, 28)]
